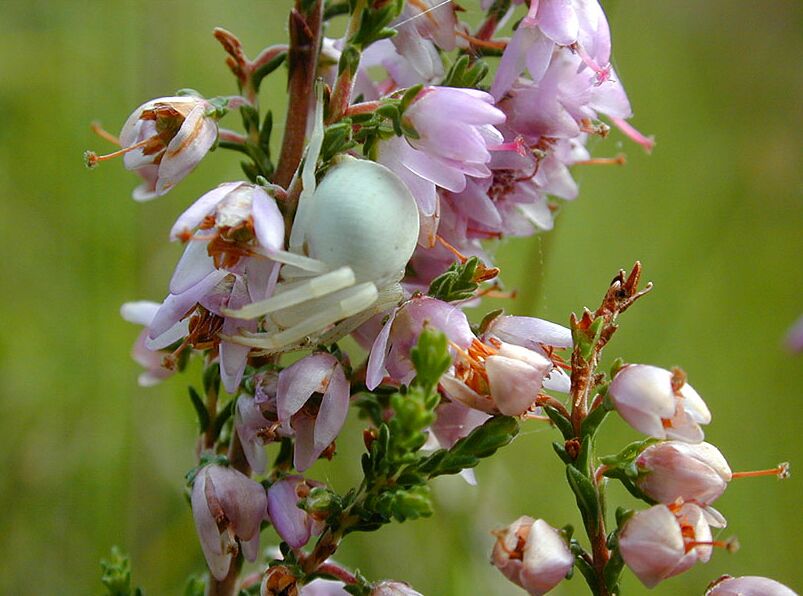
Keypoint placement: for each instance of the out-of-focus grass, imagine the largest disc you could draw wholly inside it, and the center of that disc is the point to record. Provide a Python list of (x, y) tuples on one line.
[(90, 460)]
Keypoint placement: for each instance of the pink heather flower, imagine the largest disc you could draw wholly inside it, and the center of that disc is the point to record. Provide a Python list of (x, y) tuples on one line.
[(240, 225), (748, 585), (537, 335), (422, 25), (254, 428), (497, 378), (455, 131), (205, 298), (662, 542), (228, 508), (644, 396), (424, 66), (292, 523), (151, 358), (794, 338), (393, 588), (170, 133), (390, 353), (532, 554), (673, 469), (513, 200), (323, 587), (312, 400)]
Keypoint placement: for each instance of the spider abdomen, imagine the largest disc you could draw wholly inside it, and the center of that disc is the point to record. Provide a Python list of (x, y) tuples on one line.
[(364, 217)]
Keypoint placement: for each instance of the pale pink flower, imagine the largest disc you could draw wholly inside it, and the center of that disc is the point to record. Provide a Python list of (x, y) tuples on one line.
[(390, 353), (661, 542), (645, 397), (674, 469), (748, 585), (532, 554), (393, 588), (794, 337), (254, 428), (228, 508), (455, 131), (171, 133), (312, 400), (497, 377), (294, 525), (423, 25), (151, 358), (204, 299)]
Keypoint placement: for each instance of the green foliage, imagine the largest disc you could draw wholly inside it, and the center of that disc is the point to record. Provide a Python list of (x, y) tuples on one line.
[(466, 72), (396, 472), (457, 283), (116, 575), (195, 586), (482, 442), (374, 21), (431, 358), (200, 409)]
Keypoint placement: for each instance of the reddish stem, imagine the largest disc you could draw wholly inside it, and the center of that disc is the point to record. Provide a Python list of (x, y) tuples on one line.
[(302, 57)]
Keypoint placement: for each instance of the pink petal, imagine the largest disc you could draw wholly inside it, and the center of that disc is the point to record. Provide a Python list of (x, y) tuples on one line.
[(268, 221), (376, 371), (205, 205), (194, 265)]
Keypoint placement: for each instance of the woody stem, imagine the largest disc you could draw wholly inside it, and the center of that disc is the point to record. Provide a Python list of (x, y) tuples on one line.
[(305, 38)]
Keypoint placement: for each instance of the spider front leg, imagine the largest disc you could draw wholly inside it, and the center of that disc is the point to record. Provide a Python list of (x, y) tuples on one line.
[(300, 292), (297, 234), (312, 317)]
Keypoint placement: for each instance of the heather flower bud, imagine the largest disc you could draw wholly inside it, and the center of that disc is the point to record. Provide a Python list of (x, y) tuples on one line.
[(497, 377), (658, 403), (532, 554), (674, 469), (662, 542), (748, 585), (228, 508)]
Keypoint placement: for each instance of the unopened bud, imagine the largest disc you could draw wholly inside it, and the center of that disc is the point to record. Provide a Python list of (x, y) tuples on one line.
[(533, 555)]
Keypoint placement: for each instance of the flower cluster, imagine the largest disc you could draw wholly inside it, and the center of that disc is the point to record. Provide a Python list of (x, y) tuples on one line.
[(398, 161)]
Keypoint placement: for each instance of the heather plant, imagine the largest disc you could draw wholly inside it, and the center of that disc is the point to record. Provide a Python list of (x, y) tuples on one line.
[(410, 142)]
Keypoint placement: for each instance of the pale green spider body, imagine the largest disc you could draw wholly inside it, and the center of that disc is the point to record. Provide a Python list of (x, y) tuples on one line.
[(352, 237)]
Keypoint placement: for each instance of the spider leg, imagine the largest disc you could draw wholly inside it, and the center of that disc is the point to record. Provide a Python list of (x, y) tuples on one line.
[(351, 302), (296, 241), (302, 266), (314, 287), (388, 298)]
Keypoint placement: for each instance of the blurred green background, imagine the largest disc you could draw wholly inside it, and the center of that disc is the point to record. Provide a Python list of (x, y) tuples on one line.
[(88, 459)]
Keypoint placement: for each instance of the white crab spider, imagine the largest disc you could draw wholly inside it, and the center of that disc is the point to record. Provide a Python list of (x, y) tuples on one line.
[(351, 240)]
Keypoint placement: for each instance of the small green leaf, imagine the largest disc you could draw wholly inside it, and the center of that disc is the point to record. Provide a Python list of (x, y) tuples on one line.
[(430, 357), (211, 378), (200, 409), (456, 283), (585, 494), (223, 416), (265, 132), (349, 60), (564, 424), (562, 453), (480, 443), (594, 419), (116, 574), (409, 96)]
